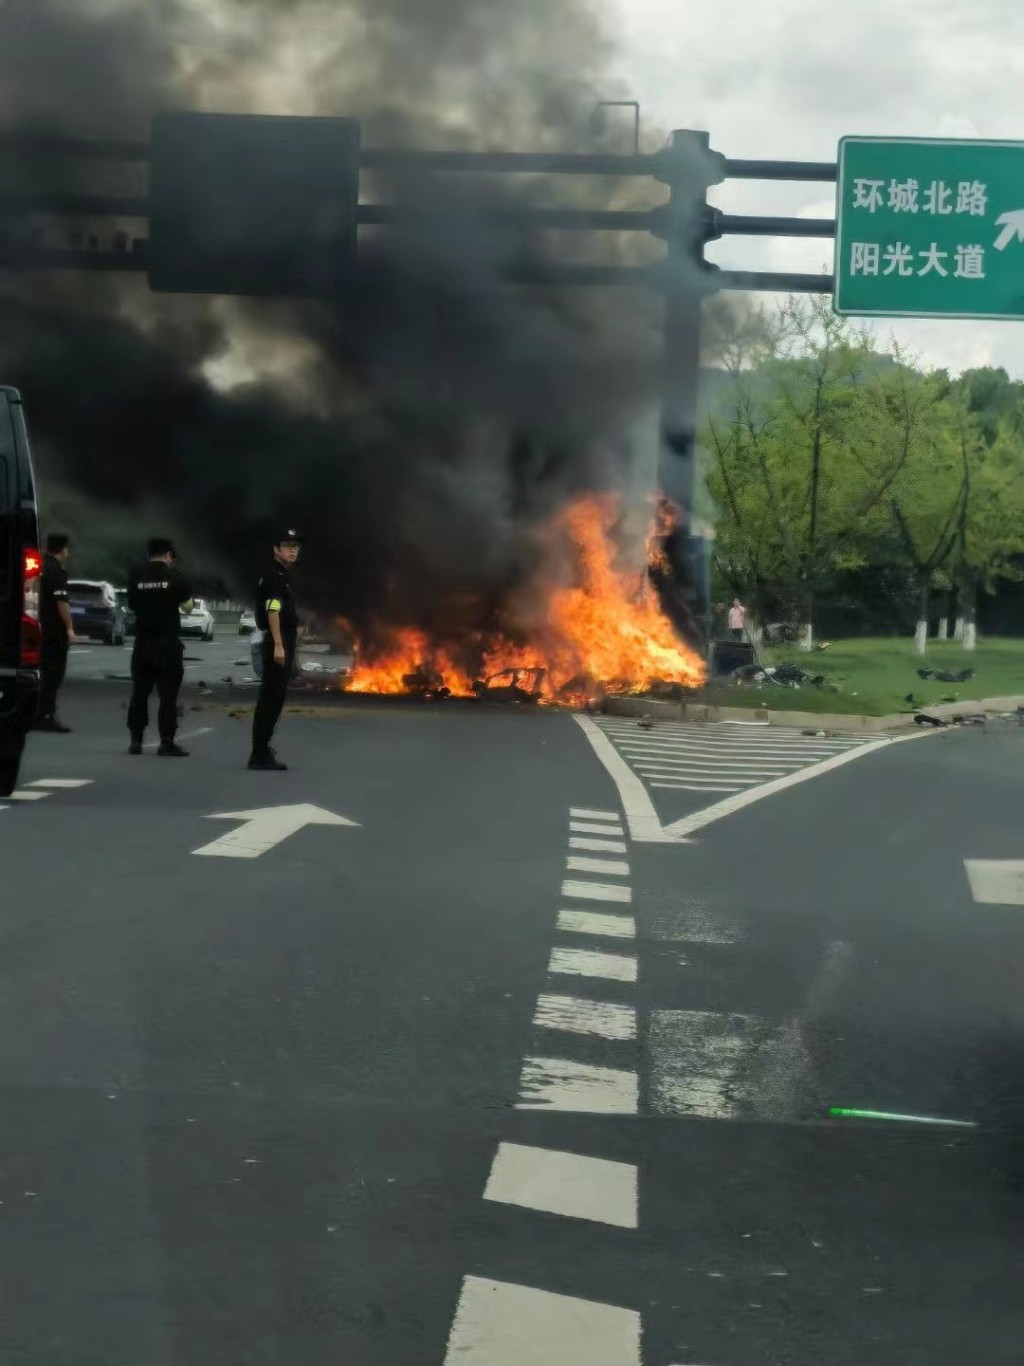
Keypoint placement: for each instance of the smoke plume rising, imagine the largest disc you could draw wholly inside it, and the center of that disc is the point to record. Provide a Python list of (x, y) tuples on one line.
[(421, 429)]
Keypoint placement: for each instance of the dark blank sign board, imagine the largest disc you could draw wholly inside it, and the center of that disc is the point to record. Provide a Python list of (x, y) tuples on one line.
[(252, 204)]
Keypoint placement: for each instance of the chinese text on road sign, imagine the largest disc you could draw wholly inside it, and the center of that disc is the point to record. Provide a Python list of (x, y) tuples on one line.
[(930, 229)]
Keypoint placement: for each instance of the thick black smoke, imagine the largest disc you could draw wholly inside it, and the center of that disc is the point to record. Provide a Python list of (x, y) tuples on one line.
[(421, 428)]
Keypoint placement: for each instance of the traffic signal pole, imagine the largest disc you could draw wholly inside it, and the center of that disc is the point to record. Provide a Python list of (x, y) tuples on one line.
[(688, 169), (686, 166)]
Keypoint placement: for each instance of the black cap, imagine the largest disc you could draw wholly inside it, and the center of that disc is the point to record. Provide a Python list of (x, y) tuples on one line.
[(289, 534)]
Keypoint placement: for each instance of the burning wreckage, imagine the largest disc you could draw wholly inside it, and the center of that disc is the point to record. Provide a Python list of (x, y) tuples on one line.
[(591, 624)]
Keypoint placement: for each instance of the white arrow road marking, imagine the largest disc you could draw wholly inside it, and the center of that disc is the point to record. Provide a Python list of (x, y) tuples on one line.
[(1012, 225), (265, 828)]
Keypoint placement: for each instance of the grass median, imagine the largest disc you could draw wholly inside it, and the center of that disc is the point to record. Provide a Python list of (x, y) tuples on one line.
[(874, 677)]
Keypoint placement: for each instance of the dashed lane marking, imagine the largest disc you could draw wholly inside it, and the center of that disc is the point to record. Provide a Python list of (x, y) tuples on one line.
[(499, 1324), (579, 864), (594, 923), (598, 846), (23, 795), (565, 1183), (563, 1084), (616, 967), (596, 891), (574, 1015), (996, 882), (589, 828)]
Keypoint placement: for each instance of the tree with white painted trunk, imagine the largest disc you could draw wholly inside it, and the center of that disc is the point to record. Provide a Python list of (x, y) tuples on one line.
[(928, 496), (990, 532), (805, 455)]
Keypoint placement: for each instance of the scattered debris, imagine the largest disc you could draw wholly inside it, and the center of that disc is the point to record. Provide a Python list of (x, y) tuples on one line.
[(946, 675), (646, 723), (952, 714), (512, 685), (786, 675)]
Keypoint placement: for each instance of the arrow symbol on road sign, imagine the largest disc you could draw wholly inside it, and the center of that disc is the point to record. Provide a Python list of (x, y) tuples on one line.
[(1012, 225), (264, 828)]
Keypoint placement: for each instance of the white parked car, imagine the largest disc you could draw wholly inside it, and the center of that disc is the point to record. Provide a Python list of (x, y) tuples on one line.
[(247, 623), (198, 621)]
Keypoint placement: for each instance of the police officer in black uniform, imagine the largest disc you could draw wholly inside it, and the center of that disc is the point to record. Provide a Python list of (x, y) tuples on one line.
[(156, 594), (57, 632), (276, 618)]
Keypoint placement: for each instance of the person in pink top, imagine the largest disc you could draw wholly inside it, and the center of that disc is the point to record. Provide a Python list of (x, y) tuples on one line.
[(737, 619)]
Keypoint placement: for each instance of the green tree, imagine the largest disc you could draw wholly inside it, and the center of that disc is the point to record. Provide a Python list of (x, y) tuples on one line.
[(990, 531), (928, 496), (804, 455)]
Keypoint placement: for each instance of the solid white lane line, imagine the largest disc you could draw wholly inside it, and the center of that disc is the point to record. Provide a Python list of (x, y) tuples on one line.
[(695, 787), (577, 863), (645, 761), (613, 967), (689, 824), (744, 754), (561, 1084), (677, 756), (708, 782), (70, 784), (589, 828), (564, 1183), (713, 782), (996, 882), (591, 922), (644, 822), (596, 891), (782, 754), (573, 1015), (23, 795), (499, 1324), (584, 813), (606, 846)]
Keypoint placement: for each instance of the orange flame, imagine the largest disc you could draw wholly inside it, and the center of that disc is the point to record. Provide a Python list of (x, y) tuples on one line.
[(598, 633)]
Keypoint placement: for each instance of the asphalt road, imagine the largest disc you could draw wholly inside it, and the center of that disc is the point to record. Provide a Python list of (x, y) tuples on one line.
[(228, 655), (481, 1081)]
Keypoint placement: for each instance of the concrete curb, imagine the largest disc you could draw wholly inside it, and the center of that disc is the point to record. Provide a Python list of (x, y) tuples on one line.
[(841, 722)]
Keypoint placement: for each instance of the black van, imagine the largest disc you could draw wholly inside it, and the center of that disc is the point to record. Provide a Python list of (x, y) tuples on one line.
[(20, 567)]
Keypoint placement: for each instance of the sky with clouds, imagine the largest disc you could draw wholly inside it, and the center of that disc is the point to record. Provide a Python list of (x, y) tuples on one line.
[(788, 78)]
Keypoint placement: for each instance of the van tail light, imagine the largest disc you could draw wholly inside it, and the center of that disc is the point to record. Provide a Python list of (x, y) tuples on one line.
[(31, 643)]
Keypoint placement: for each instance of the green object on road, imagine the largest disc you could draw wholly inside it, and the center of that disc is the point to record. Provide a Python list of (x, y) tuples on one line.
[(930, 228), (836, 1112)]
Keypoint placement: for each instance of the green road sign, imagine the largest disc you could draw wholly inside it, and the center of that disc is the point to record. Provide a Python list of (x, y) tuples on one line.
[(930, 229)]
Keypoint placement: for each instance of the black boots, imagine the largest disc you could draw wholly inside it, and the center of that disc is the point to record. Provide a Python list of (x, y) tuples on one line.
[(169, 750), (267, 762)]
